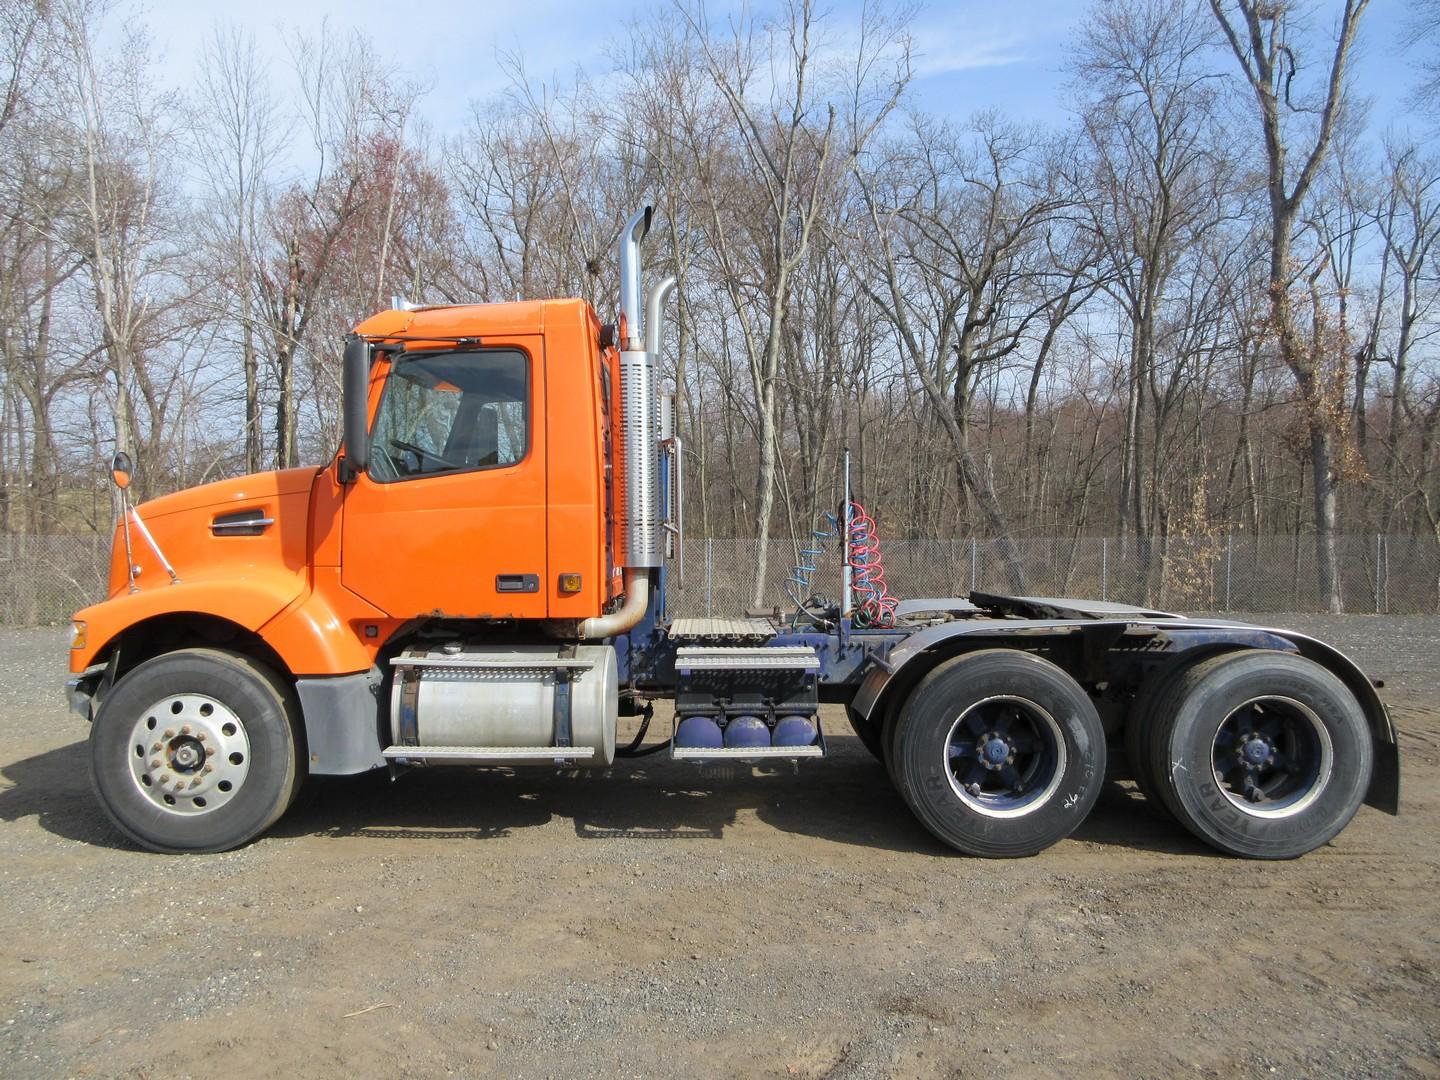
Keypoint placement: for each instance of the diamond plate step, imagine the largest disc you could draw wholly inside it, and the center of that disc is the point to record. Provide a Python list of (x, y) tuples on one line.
[(721, 628), (740, 658)]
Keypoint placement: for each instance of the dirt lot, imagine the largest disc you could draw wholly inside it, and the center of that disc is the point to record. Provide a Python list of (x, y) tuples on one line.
[(666, 920)]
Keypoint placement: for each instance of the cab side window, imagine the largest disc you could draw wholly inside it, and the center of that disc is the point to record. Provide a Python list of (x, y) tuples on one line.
[(451, 412)]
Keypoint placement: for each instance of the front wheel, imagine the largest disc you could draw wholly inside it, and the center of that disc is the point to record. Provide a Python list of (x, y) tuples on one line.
[(999, 753), (195, 751)]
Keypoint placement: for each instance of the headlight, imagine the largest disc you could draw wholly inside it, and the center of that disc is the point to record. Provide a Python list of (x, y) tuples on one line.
[(77, 634)]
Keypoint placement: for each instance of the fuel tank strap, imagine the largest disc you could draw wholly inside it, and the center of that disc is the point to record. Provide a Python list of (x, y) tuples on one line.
[(490, 665)]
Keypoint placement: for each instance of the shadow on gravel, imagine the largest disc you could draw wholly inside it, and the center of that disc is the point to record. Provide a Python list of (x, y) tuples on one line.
[(1124, 818), (846, 799), (55, 788)]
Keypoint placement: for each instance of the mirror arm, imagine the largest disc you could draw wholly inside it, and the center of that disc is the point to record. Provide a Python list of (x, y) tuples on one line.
[(129, 550)]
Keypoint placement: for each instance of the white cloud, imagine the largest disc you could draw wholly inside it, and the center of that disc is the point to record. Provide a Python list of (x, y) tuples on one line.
[(942, 50)]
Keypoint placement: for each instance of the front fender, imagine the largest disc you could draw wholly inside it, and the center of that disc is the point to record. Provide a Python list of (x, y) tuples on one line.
[(249, 601)]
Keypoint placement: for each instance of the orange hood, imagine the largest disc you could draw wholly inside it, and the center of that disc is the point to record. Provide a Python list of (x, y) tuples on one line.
[(241, 491)]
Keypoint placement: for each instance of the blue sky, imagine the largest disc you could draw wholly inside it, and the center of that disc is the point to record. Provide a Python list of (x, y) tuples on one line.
[(971, 54)]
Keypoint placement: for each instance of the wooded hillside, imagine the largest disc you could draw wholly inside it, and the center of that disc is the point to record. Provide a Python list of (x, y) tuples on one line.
[(1206, 304)]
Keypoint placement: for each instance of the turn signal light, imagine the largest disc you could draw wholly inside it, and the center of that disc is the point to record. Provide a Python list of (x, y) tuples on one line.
[(569, 583), (77, 634)]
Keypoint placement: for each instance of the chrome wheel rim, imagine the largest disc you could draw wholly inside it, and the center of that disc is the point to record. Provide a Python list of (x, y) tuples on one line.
[(189, 754), (1272, 757), (1005, 756)]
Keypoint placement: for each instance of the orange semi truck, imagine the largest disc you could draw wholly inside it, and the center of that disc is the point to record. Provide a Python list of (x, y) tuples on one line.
[(479, 578)]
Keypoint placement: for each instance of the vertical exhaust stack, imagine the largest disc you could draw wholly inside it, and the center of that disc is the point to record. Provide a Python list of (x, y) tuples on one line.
[(655, 316), (637, 438), (631, 237), (671, 510), (637, 407)]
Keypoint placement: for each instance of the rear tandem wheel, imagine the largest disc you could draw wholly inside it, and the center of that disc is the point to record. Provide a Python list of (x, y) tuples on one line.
[(1260, 754), (999, 753)]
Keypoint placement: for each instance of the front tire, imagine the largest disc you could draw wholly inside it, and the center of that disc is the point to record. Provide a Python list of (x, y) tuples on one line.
[(999, 753), (195, 751), (1261, 754)]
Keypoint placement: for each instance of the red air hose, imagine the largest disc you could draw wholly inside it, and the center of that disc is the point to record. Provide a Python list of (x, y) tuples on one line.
[(874, 605)]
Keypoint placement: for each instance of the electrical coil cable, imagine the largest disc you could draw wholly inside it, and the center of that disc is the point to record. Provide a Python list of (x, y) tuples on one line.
[(874, 605), (808, 604)]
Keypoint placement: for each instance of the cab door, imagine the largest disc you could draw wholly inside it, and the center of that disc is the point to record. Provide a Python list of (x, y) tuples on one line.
[(449, 519)]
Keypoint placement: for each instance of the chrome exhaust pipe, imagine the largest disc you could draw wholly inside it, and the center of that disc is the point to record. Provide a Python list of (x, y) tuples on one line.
[(654, 317), (630, 239), (637, 407), (637, 444), (637, 599)]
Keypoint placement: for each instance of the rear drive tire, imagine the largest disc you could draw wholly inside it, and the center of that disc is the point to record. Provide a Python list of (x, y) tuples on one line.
[(1140, 724), (999, 753), (1261, 754), (196, 751), (868, 732)]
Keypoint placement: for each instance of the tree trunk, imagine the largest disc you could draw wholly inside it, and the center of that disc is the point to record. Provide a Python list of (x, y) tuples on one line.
[(253, 444)]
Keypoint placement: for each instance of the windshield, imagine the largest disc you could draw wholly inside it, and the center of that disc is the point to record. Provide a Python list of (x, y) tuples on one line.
[(448, 412)]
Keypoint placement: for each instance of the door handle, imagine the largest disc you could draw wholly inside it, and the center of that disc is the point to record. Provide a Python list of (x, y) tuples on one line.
[(517, 582)]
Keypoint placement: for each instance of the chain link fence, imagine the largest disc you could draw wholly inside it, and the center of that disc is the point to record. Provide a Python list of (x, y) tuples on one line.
[(1379, 574), (43, 579)]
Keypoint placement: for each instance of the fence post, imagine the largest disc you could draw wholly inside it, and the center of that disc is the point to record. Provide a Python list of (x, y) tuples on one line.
[(1377, 573), (1104, 568), (973, 561), (1385, 562), (709, 570), (1229, 554)]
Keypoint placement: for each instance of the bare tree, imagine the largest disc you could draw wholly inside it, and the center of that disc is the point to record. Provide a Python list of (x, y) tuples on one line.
[(124, 138), (963, 276), (1268, 58), (1408, 218), (793, 163), (1158, 188), (238, 150)]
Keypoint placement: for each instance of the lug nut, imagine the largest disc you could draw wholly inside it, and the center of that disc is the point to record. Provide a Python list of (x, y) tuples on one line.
[(169, 733), (196, 782), (155, 763), (200, 736), (157, 748), (208, 768), (184, 729)]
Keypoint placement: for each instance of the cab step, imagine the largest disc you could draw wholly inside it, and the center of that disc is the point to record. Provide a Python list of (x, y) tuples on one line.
[(488, 755), (693, 658), (743, 753)]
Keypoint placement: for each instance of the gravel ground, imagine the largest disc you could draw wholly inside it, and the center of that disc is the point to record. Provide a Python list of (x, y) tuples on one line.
[(667, 920)]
